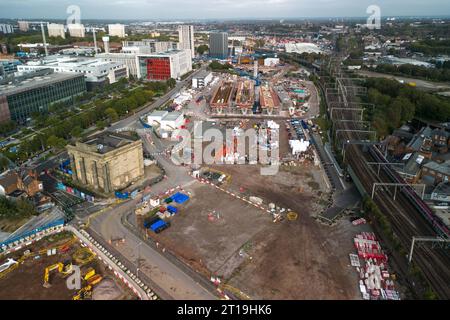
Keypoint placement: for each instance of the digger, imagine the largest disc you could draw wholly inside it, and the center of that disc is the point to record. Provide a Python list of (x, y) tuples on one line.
[(64, 268), (92, 279)]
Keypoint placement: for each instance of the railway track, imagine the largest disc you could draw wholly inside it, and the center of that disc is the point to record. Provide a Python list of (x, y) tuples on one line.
[(406, 220)]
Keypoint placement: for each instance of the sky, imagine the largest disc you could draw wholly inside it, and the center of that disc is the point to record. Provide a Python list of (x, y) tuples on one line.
[(217, 9)]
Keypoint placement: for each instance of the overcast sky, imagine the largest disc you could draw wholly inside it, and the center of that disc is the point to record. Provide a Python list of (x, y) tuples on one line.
[(211, 9)]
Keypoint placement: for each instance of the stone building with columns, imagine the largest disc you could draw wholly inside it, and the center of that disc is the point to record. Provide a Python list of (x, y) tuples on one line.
[(107, 162)]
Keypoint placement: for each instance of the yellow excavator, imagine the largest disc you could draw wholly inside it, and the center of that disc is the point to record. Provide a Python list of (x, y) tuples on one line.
[(62, 268), (84, 293), (92, 279)]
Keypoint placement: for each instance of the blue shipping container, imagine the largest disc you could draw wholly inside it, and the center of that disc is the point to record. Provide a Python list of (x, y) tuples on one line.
[(157, 225), (180, 197), (172, 209)]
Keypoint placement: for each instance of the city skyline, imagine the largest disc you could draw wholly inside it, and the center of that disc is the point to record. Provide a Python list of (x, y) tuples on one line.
[(216, 9)]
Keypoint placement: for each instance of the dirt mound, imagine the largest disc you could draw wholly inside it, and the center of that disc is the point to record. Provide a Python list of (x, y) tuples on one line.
[(106, 290)]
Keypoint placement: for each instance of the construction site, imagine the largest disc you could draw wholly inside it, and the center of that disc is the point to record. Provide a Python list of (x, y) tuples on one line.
[(223, 97), (40, 271), (243, 233)]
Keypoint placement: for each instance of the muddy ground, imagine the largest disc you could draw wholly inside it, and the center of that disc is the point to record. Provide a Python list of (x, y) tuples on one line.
[(299, 259), (26, 281)]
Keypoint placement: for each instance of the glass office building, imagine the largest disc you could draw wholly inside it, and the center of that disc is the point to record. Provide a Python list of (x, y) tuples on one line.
[(37, 92)]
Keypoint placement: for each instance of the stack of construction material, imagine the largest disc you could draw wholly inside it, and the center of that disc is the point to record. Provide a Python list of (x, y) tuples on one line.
[(368, 247), (375, 280)]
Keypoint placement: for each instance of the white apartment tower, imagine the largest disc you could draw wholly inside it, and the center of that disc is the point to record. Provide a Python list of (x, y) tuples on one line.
[(76, 30), (24, 26), (56, 30), (186, 38), (117, 30)]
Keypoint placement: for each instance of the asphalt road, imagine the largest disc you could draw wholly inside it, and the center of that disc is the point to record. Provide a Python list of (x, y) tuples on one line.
[(170, 278)]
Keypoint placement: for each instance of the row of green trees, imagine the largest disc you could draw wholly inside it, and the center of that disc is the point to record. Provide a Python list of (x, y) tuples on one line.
[(431, 47), (68, 124), (217, 66), (397, 103), (7, 127), (409, 70)]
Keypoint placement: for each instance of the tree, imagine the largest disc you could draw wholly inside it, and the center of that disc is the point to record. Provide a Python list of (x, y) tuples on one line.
[(3, 163), (202, 49), (76, 132), (55, 142), (100, 124), (171, 83), (7, 127), (112, 114)]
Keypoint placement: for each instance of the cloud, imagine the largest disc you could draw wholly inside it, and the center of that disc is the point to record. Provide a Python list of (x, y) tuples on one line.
[(178, 9)]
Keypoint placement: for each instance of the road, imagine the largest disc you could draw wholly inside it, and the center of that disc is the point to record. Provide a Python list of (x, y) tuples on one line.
[(172, 279), (169, 277), (423, 84), (155, 104)]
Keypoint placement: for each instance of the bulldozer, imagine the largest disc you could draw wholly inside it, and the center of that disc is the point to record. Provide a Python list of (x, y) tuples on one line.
[(64, 268)]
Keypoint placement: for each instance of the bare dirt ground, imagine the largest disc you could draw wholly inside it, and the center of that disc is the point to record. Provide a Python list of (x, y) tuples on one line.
[(26, 282), (299, 259), (288, 260), (209, 245)]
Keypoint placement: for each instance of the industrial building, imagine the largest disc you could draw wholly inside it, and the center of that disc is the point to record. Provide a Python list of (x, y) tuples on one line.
[(116, 30), (36, 91), (172, 121), (186, 38), (155, 117), (163, 66), (202, 79), (56, 30), (96, 72), (6, 28), (24, 26), (107, 162), (76, 30), (218, 45), (166, 121)]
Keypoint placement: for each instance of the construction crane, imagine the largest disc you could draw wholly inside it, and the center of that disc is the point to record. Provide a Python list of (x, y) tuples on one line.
[(95, 38), (44, 41), (62, 268)]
